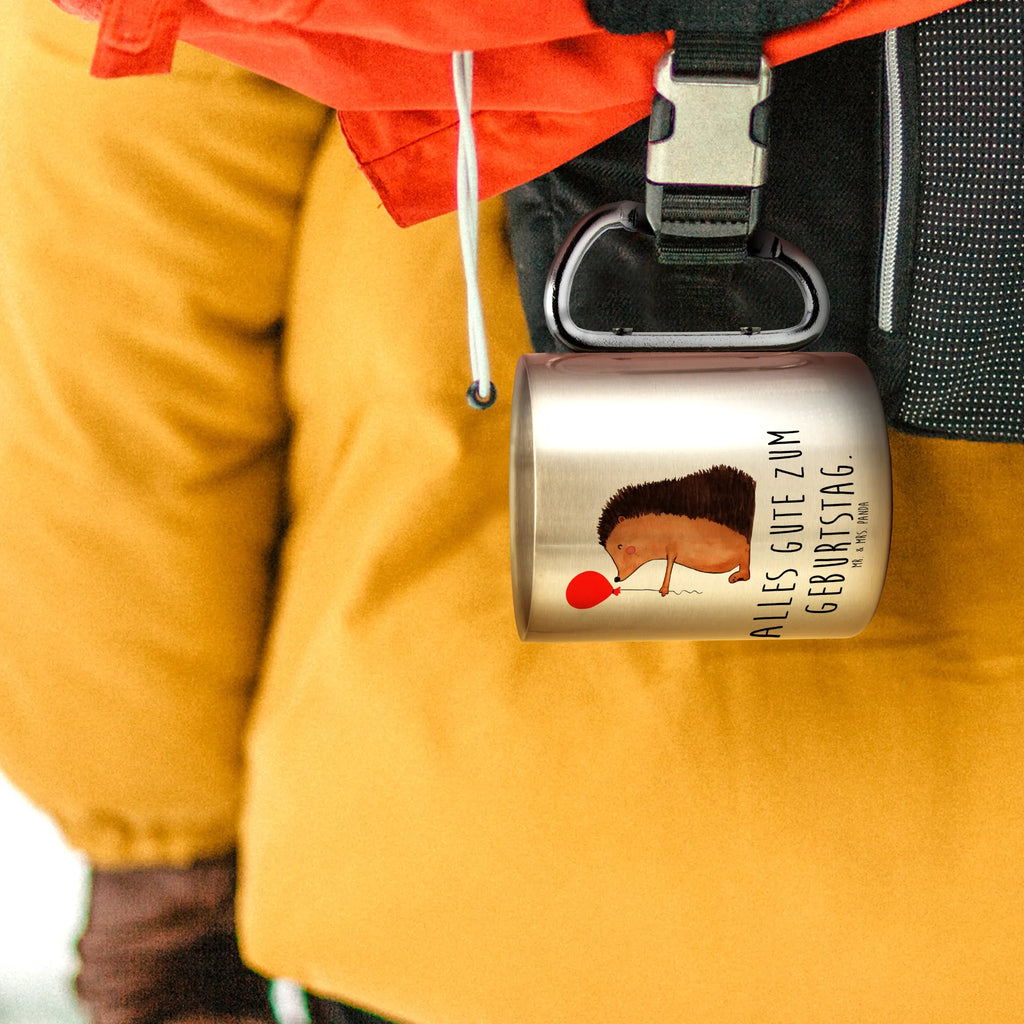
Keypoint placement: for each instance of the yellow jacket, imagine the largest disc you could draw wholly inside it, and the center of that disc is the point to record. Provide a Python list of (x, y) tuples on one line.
[(439, 821)]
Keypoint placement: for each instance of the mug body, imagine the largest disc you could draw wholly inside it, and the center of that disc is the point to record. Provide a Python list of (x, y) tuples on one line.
[(697, 495)]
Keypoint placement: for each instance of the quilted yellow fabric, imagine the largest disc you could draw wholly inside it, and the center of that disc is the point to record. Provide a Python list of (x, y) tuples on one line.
[(477, 830), (145, 239)]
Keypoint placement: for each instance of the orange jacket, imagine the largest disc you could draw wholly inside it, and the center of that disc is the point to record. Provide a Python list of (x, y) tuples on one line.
[(549, 83)]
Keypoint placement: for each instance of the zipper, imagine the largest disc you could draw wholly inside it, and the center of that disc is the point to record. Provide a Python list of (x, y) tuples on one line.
[(894, 183)]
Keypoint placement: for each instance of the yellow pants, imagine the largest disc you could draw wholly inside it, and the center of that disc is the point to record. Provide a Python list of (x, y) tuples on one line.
[(236, 462)]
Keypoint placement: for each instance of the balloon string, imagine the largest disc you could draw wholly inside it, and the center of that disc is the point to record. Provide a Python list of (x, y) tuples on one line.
[(655, 590)]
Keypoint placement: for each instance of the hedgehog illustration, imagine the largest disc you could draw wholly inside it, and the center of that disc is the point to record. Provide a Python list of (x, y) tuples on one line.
[(702, 521)]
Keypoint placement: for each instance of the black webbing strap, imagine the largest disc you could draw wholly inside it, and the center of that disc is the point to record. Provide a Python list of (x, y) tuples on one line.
[(756, 17), (698, 221), (682, 209), (716, 54)]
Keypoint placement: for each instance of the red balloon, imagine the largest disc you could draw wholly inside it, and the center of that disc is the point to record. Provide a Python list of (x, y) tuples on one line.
[(588, 589)]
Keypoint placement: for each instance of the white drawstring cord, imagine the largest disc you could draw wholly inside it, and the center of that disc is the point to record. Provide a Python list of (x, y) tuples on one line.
[(481, 394)]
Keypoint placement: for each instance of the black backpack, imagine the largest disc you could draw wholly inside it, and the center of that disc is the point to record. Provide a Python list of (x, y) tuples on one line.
[(896, 163)]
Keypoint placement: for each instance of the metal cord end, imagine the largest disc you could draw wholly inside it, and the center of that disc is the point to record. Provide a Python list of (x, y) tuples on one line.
[(474, 399)]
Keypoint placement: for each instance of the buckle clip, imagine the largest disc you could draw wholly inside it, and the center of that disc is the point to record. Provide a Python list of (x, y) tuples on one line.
[(708, 139)]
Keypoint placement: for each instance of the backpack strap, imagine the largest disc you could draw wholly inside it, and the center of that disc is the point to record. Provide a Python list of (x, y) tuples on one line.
[(706, 147), (742, 17), (705, 156)]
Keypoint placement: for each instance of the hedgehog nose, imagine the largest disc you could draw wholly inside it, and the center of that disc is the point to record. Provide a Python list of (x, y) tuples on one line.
[(617, 580)]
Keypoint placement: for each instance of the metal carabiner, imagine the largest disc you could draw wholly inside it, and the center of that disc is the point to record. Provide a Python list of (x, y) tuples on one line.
[(628, 216)]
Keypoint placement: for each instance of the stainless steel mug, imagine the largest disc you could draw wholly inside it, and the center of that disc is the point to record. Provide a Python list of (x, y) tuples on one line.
[(697, 495)]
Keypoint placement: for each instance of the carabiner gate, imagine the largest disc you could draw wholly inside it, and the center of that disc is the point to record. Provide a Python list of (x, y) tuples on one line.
[(628, 216)]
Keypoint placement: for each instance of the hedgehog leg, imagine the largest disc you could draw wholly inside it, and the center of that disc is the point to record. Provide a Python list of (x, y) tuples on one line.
[(743, 572), (668, 576)]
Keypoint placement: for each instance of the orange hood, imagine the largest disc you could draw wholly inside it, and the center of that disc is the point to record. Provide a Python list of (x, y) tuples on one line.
[(549, 83)]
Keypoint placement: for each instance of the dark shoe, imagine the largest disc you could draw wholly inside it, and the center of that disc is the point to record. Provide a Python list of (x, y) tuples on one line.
[(206, 1018), (160, 944), (327, 1011)]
